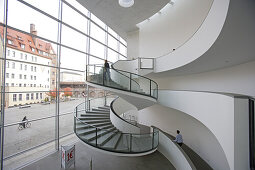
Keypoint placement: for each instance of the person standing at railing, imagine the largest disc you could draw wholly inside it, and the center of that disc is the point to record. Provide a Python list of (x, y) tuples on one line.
[(106, 70), (178, 138)]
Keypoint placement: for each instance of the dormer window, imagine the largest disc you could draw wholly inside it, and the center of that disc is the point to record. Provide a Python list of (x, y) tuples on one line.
[(10, 42), (29, 42), (40, 52), (32, 49), (40, 45), (22, 46)]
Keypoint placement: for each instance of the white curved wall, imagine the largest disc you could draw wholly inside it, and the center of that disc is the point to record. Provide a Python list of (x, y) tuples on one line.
[(215, 111), (121, 106), (239, 79), (162, 34), (195, 134), (174, 154)]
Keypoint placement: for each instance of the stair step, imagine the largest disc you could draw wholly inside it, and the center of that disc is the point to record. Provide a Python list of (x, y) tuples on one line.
[(104, 137), (94, 118), (94, 115), (112, 144), (105, 126), (100, 110), (97, 112), (101, 134), (96, 121), (104, 108)]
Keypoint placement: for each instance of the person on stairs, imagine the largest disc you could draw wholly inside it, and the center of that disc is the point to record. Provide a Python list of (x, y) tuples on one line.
[(106, 71), (178, 138)]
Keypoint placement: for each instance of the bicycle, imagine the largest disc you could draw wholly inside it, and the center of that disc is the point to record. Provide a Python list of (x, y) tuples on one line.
[(27, 125)]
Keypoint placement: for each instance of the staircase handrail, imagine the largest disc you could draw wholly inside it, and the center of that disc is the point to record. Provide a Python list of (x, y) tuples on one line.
[(154, 134), (131, 74)]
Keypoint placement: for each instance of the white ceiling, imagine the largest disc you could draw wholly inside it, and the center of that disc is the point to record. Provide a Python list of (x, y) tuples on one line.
[(123, 20)]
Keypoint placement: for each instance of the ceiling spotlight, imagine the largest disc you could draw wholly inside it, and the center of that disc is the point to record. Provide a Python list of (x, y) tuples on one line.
[(126, 3)]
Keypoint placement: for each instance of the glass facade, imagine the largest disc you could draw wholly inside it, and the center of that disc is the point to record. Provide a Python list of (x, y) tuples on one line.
[(44, 49)]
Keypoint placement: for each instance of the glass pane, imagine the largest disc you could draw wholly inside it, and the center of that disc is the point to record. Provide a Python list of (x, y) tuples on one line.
[(119, 80), (66, 123), (78, 6), (112, 43), (32, 104), (123, 41), (44, 6), (156, 138), (73, 18), (21, 16), (141, 142), (97, 33), (124, 143), (113, 33), (97, 20), (24, 136), (1, 11), (154, 89), (28, 77), (122, 58), (73, 39), (123, 50), (112, 55), (72, 59), (95, 74), (93, 60), (97, 49), (144, 84)]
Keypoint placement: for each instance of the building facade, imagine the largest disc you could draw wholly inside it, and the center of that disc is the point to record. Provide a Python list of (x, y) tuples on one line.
[(30, 73)]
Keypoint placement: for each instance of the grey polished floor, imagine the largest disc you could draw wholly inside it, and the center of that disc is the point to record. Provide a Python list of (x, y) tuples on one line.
[(103, 161)]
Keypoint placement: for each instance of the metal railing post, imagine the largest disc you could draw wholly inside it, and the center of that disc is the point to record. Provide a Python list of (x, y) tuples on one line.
[(130, 142), (86, 72), (150, 87), (130, 81), (152, 139), (96, 137), (104, 74), (89, 105)]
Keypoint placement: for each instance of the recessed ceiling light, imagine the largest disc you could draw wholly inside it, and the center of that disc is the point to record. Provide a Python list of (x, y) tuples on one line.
[(126, 3)]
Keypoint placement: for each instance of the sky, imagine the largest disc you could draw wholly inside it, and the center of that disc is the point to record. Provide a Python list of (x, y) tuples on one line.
[(20, 16)]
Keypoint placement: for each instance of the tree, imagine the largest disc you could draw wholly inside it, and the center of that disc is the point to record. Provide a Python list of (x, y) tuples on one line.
[(68, 91), (52, 93)]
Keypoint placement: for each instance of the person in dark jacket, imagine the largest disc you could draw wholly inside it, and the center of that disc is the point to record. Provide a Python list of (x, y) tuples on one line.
[(106, 70)]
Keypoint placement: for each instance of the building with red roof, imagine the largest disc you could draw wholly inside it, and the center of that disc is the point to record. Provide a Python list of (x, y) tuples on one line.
[(30, 66)]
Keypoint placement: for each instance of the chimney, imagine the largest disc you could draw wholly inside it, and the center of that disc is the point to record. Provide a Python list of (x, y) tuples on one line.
[(33, 32)]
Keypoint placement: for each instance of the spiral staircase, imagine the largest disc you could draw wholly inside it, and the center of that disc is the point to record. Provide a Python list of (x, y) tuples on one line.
[(95, 122)]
